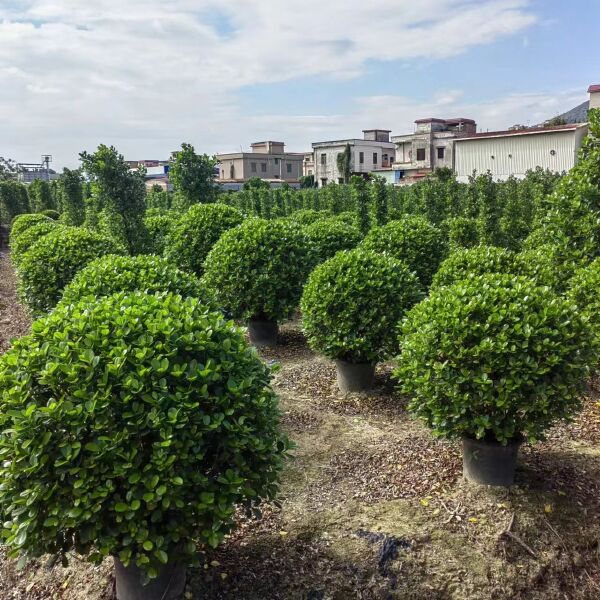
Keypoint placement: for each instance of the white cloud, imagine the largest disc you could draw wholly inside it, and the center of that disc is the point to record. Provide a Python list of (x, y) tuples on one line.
[(146, 75)]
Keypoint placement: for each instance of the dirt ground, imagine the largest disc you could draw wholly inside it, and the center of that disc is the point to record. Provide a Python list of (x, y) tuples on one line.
[(374, 508)]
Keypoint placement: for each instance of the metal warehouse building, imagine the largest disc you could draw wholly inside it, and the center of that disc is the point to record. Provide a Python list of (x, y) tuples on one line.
[(514, 152)]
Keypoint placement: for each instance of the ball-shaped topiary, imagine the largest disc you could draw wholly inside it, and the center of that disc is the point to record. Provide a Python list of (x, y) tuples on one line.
[(413, 240), (308, 216), (112, 273), (159, 229), (132, 427), (197, 232), (478, 260), (329, 236), (352, 305), (52, 262), (23, 222), (583, 292), (257, 270), (494, 357), (19, 245)]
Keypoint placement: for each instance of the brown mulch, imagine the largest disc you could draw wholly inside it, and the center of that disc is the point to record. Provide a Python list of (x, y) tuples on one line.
[(14, 320)]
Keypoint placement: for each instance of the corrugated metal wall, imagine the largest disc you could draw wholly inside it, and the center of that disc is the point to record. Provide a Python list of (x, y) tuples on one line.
[(515, 155)]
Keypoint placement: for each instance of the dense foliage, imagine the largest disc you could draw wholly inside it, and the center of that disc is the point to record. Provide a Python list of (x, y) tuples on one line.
[(111, 274), (353, 303), (13, 201), (70, 197), (117, 203), (197, 232), (159, 229), (52, 262), (329, 236), (493, 357), (584, 292), (257, 270), (412, 240), (20, 244), (193, 177), (474, 261), (24, 221), (40, 196), (134, 425)]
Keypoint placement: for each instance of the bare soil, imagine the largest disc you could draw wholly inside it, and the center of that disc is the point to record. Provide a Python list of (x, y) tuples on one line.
[(374, 508)]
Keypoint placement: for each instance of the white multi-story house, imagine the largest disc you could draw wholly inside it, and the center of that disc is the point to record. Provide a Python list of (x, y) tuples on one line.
[(375, 151)]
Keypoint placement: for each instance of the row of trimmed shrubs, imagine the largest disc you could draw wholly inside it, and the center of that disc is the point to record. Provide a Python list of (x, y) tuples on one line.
[(123, 396)]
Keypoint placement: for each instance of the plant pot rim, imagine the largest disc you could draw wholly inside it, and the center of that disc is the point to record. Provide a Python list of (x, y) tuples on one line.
[(518, 439), (370, 363)]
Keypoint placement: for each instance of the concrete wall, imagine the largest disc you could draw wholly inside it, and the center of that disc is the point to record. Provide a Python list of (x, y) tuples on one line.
[(515, 155), (595, 100)]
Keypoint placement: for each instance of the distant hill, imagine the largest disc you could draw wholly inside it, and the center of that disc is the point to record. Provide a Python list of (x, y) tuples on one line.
[(577, 114)]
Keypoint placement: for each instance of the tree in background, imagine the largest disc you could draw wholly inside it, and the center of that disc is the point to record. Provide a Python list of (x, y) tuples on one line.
[(159, 198), (380, 200), (307, 182), (360, 191), (13, 201), (193, 177), (344, 163), (256, 183), (9, 169), (70, 197), (40, 196), (118, 198)]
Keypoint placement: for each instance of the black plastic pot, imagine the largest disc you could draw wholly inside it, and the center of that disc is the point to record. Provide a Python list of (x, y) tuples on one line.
[(263, 332), (169, 584), (355, 377), (490, 463)]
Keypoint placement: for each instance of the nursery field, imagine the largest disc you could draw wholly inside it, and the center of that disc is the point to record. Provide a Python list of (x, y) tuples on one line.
[(374, 507)]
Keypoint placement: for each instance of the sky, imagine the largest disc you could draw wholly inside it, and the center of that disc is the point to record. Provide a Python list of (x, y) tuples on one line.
[(147, 75)]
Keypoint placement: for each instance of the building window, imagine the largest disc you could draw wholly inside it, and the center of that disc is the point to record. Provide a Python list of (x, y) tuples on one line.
[(341, 180), (276, 161), (375, 158), (289, 167), (441, 152), (263, 167), (324, 182), (323, 159), (253, 167), (361, 158), (420, 153)]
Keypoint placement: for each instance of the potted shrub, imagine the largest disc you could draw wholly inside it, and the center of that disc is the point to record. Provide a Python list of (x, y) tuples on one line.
[(133, 427), (256, 273), (494, 359), (112, 273), (478, 260), (413, 240), (196, 233), (329, 236), (351, 307), (50, 264)]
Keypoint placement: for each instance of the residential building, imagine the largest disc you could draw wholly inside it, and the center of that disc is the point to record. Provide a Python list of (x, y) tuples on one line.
[(372, 153), (308, 166), (430, 146), (514, 152), (267, 160)]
